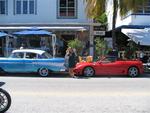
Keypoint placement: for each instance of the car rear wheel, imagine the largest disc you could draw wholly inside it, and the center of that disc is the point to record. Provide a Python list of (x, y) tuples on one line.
[(43, 72), (133, 71), (88, 72)]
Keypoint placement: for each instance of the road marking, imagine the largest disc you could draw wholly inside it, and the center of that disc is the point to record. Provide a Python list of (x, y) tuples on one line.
[(80, 94)]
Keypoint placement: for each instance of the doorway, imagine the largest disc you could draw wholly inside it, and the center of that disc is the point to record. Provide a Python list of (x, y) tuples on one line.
[(66, 39)]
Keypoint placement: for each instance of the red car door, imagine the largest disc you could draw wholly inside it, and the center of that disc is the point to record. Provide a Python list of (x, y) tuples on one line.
[(114, 68), (101, 69), (110, 65)]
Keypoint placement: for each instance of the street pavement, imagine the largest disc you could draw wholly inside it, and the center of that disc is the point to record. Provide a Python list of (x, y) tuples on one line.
[(63, 94)]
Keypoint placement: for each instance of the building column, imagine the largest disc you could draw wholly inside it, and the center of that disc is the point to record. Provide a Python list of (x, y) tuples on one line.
[(6, 47), (91, 41)]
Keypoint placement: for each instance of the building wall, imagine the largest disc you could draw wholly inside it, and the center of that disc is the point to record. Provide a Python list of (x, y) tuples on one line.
[(46, 14), (140, 19), (130, 19), (133, 20)]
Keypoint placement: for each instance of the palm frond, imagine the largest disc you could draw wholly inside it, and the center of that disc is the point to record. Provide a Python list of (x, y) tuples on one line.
[(95, 8)]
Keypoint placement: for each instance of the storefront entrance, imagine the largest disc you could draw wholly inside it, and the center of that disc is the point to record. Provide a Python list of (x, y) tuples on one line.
[(66, 39)]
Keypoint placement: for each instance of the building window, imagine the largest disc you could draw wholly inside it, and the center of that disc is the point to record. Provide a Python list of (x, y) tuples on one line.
[(144, 9), (25, 6), (18, 7), (3, 7), (31, 7), (67, 8)]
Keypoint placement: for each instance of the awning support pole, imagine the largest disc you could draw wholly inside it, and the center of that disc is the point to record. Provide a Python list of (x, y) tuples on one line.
[(54, 44)]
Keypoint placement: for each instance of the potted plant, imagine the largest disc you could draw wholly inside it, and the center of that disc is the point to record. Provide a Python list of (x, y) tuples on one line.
[(101, 48), (76, 44)]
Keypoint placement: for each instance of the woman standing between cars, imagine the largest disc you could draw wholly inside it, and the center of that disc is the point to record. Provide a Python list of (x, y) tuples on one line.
[(70, 61)]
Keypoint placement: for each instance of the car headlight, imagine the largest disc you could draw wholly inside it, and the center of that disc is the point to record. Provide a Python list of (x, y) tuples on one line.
[(78, 66)]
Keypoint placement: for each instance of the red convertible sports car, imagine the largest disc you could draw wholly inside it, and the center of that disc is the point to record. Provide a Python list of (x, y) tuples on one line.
[(110, 66)]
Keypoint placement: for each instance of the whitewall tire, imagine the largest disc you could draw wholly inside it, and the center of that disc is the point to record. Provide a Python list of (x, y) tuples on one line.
[(44, 72)]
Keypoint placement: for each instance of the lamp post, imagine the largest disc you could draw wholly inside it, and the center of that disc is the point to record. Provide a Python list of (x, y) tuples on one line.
[(139, 46)]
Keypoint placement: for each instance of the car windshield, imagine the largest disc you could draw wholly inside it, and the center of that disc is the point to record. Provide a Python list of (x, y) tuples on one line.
[(45, 55), (108, 59)]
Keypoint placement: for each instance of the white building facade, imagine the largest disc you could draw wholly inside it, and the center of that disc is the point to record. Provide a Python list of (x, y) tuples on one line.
[(141, 17), (135, 25), (42, 12), (66, 18)]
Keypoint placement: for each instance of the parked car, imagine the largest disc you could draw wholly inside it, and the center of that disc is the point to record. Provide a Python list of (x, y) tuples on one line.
[(146, 67), (110, 66), (31, 60)]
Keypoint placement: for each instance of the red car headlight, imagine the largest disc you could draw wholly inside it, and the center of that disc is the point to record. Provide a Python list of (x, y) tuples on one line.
[(78, 66)]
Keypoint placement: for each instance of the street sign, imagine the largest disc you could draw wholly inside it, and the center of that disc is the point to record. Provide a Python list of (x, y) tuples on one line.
[(99, 30), (100, 33)]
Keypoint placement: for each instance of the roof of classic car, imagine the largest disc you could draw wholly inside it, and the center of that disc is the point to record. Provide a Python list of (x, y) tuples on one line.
[(29, 50)]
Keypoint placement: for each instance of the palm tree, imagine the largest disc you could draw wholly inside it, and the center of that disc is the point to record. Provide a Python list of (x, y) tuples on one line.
[(94, 8)]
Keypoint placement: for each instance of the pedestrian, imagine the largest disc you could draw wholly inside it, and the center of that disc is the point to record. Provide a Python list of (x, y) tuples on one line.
[(22, 46), (70, 61), (145, 58), (66, 64), (76, 55)]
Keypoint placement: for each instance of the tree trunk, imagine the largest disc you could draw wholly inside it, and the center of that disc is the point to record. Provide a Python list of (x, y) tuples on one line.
[(115, 9)]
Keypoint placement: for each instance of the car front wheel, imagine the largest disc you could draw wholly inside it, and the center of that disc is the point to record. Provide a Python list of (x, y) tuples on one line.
[(5, 100), (133, 71), (43, 72), (88, 72)]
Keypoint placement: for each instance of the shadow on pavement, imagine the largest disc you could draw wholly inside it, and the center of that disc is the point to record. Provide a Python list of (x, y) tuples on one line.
[(66, 75)]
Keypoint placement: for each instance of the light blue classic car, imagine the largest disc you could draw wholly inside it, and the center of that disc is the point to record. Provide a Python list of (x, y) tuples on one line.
[(31, 60)]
